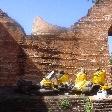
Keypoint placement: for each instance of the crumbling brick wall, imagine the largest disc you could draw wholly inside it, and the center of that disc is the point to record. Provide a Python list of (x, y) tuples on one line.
[(47, 53), (10, 51), (85, 45), (93, 30)]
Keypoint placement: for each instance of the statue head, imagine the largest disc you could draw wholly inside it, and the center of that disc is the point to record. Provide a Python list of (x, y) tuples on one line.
[(82, 70)]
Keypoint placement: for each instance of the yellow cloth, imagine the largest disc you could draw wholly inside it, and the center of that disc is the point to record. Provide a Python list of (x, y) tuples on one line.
[(80, 77), (81, 80), (105, 87), (99, 77), (64, 79), (46, 82)]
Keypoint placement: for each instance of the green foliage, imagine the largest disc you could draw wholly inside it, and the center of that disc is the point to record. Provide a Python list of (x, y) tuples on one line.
[(88, 105), (111, 59), (95, 1), (64, 104), (49, 110)]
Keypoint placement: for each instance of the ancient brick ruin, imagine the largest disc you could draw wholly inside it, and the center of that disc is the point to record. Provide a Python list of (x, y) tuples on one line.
[(55, 48)]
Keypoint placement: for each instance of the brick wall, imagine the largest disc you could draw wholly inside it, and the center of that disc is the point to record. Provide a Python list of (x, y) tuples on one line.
[(84, 45), (50, 104), (10, 51)]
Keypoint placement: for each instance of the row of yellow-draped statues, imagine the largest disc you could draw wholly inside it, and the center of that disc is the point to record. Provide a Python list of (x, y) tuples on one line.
[(80, 83)]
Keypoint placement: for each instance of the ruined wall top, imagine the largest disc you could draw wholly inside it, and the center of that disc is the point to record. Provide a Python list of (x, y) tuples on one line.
[(15, 29), (41, 27)]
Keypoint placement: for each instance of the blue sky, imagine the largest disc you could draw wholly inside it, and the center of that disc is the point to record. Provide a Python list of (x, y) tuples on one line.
[(60, 12)]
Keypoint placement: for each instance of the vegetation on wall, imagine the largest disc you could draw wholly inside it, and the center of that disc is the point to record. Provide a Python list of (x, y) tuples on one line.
[(88, 105), (64, 103)]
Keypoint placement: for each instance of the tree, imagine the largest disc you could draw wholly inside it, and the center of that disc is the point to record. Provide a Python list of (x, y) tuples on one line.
[(111, 59), (95, 1)]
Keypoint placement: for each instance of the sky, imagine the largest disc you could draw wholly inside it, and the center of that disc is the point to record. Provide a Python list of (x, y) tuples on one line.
[(58, 12)]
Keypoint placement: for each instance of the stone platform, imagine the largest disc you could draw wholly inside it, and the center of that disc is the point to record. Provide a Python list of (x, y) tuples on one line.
[(10, 102)]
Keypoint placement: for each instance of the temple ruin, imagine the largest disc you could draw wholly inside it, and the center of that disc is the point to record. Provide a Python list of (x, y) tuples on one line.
[(51, 47)]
